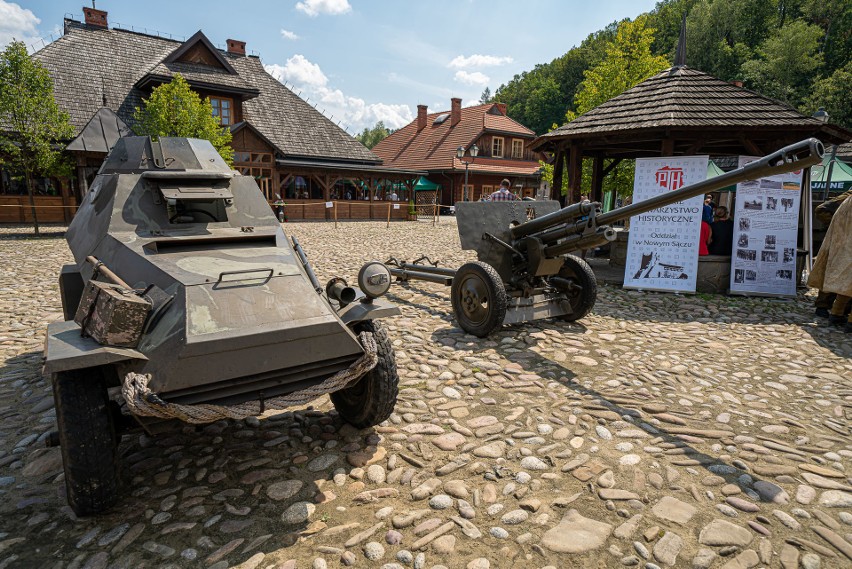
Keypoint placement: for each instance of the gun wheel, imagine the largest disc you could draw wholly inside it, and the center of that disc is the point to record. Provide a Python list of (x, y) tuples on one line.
[(479, 299), (582, 297)]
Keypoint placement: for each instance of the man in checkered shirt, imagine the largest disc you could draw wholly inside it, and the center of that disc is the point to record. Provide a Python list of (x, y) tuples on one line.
[(503, 194)]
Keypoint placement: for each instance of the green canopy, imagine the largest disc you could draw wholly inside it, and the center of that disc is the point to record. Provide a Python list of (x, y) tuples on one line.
[(424, 184), (841, 176), (713, 171)]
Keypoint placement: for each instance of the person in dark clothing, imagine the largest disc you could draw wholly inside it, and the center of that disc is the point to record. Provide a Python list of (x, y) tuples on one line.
[(723, 233)]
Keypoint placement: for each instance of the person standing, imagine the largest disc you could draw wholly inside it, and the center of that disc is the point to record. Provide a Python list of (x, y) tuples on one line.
[(706, 236), (722, 230), (503, 194), (832, 271)]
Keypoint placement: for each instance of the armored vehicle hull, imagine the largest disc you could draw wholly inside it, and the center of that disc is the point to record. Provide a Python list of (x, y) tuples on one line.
[(231, 311)]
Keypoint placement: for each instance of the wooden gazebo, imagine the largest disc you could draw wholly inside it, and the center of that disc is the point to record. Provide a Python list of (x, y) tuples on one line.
[(678, 112)]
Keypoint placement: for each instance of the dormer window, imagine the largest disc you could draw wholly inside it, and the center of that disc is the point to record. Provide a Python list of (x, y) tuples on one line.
[(223, 110), (497, 147)]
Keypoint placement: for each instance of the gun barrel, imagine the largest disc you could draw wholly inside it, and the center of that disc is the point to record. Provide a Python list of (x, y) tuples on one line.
[(602, 236), (794, 157), (555, 218)]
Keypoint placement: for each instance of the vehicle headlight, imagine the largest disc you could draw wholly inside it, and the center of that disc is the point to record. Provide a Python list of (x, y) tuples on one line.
[(374, 279)]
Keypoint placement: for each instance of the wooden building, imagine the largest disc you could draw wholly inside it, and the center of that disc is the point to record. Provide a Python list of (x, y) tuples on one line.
[(431, 142), (101, 74), (678, 112)]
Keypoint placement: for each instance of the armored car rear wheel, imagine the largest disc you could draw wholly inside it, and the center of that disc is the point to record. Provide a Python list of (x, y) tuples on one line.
[(584, 292), (88, 440), (372, 399), (479, 298)]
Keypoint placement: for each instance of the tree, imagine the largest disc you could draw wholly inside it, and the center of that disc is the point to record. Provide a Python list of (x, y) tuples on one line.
[(32, 121), (370, 137), (789, 61), (628, 61), (485, 97), (833, 94), (173, 109)]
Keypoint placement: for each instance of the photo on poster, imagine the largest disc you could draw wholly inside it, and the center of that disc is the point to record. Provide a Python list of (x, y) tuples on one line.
[(742, 241), (750, 275), (771, 203), (739, 276), (769, 256), (744, 224), (770, 184), (653, 268), (769, 242), (754, 204), (789, 254), (747, 254), (786, 203), (785, 274)]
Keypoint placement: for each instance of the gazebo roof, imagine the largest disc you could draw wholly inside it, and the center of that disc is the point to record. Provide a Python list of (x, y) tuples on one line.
[(685, 103)]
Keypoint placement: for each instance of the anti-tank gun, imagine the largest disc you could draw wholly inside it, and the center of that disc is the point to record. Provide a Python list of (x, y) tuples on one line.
[(187, 299), (525, 270)]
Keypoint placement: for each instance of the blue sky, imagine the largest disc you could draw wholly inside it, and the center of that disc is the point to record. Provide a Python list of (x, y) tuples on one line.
[(360, 61)]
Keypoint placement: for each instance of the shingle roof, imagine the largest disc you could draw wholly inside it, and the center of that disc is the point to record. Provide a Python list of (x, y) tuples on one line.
[(434, 147), (88, 64), (683, 97), (204, 74), (101, 133)]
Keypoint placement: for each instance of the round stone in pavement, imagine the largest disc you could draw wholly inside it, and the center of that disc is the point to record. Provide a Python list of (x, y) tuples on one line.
[(322, 462), (298, 513), (283, 490)]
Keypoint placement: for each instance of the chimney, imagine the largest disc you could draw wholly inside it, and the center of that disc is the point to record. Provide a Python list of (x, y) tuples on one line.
[(236, 47), (95, 18), (455, 111), (502, 108), (421, 117), (737, 82)]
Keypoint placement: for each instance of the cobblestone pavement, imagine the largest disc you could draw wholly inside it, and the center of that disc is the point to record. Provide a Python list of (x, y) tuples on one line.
[(662, 431)]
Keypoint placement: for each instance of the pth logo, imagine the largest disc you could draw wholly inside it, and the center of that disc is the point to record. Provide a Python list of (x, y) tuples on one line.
[(669, 178)]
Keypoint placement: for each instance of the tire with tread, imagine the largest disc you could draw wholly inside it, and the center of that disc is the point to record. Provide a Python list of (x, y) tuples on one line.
[(582, 301), (88, 440), (372, 399), (476, 284)]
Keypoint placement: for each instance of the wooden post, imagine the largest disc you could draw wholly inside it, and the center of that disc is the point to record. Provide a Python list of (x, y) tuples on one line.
[(597, 180), (558, 167), (575, 173), (667, 147), (334, 207), (389, 212)]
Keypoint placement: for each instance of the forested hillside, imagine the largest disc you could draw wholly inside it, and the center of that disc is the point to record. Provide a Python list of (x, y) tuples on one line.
[(796, 51)]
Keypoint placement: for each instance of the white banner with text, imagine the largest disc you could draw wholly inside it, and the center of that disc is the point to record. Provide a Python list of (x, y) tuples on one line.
[(766, 221), (662, 251)]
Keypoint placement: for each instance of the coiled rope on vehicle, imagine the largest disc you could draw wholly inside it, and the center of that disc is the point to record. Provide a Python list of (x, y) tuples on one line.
[(143, 402)]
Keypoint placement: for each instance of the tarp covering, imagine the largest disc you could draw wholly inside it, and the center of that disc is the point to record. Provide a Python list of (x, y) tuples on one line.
[(425, 184), (841, 176)]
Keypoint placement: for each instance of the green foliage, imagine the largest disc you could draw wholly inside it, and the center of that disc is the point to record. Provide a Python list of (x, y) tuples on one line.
[(485, 97), (628, 61), (788, 61), (32, 121), (370, 137), (174, 109), (835, 95)]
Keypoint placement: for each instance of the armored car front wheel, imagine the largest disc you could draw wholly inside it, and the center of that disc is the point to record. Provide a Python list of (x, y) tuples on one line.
[(479, 298), (584, 287), (88, 440), (371, 400)]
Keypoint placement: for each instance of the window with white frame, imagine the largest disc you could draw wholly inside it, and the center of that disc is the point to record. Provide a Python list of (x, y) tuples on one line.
[(517, 148), (497, 147)]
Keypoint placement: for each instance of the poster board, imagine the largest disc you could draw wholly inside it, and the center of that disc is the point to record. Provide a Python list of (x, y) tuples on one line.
[(766, 221), (662, 251)]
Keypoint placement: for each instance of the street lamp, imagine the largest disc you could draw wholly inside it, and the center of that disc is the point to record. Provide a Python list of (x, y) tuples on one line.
[(474, 152), (821, 115)]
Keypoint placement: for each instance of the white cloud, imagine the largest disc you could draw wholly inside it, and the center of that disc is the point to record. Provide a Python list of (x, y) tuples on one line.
[(353, 112), (477, 60), (474, 78), (298, 70), (288, 35), (17, 23), (314, 8)]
